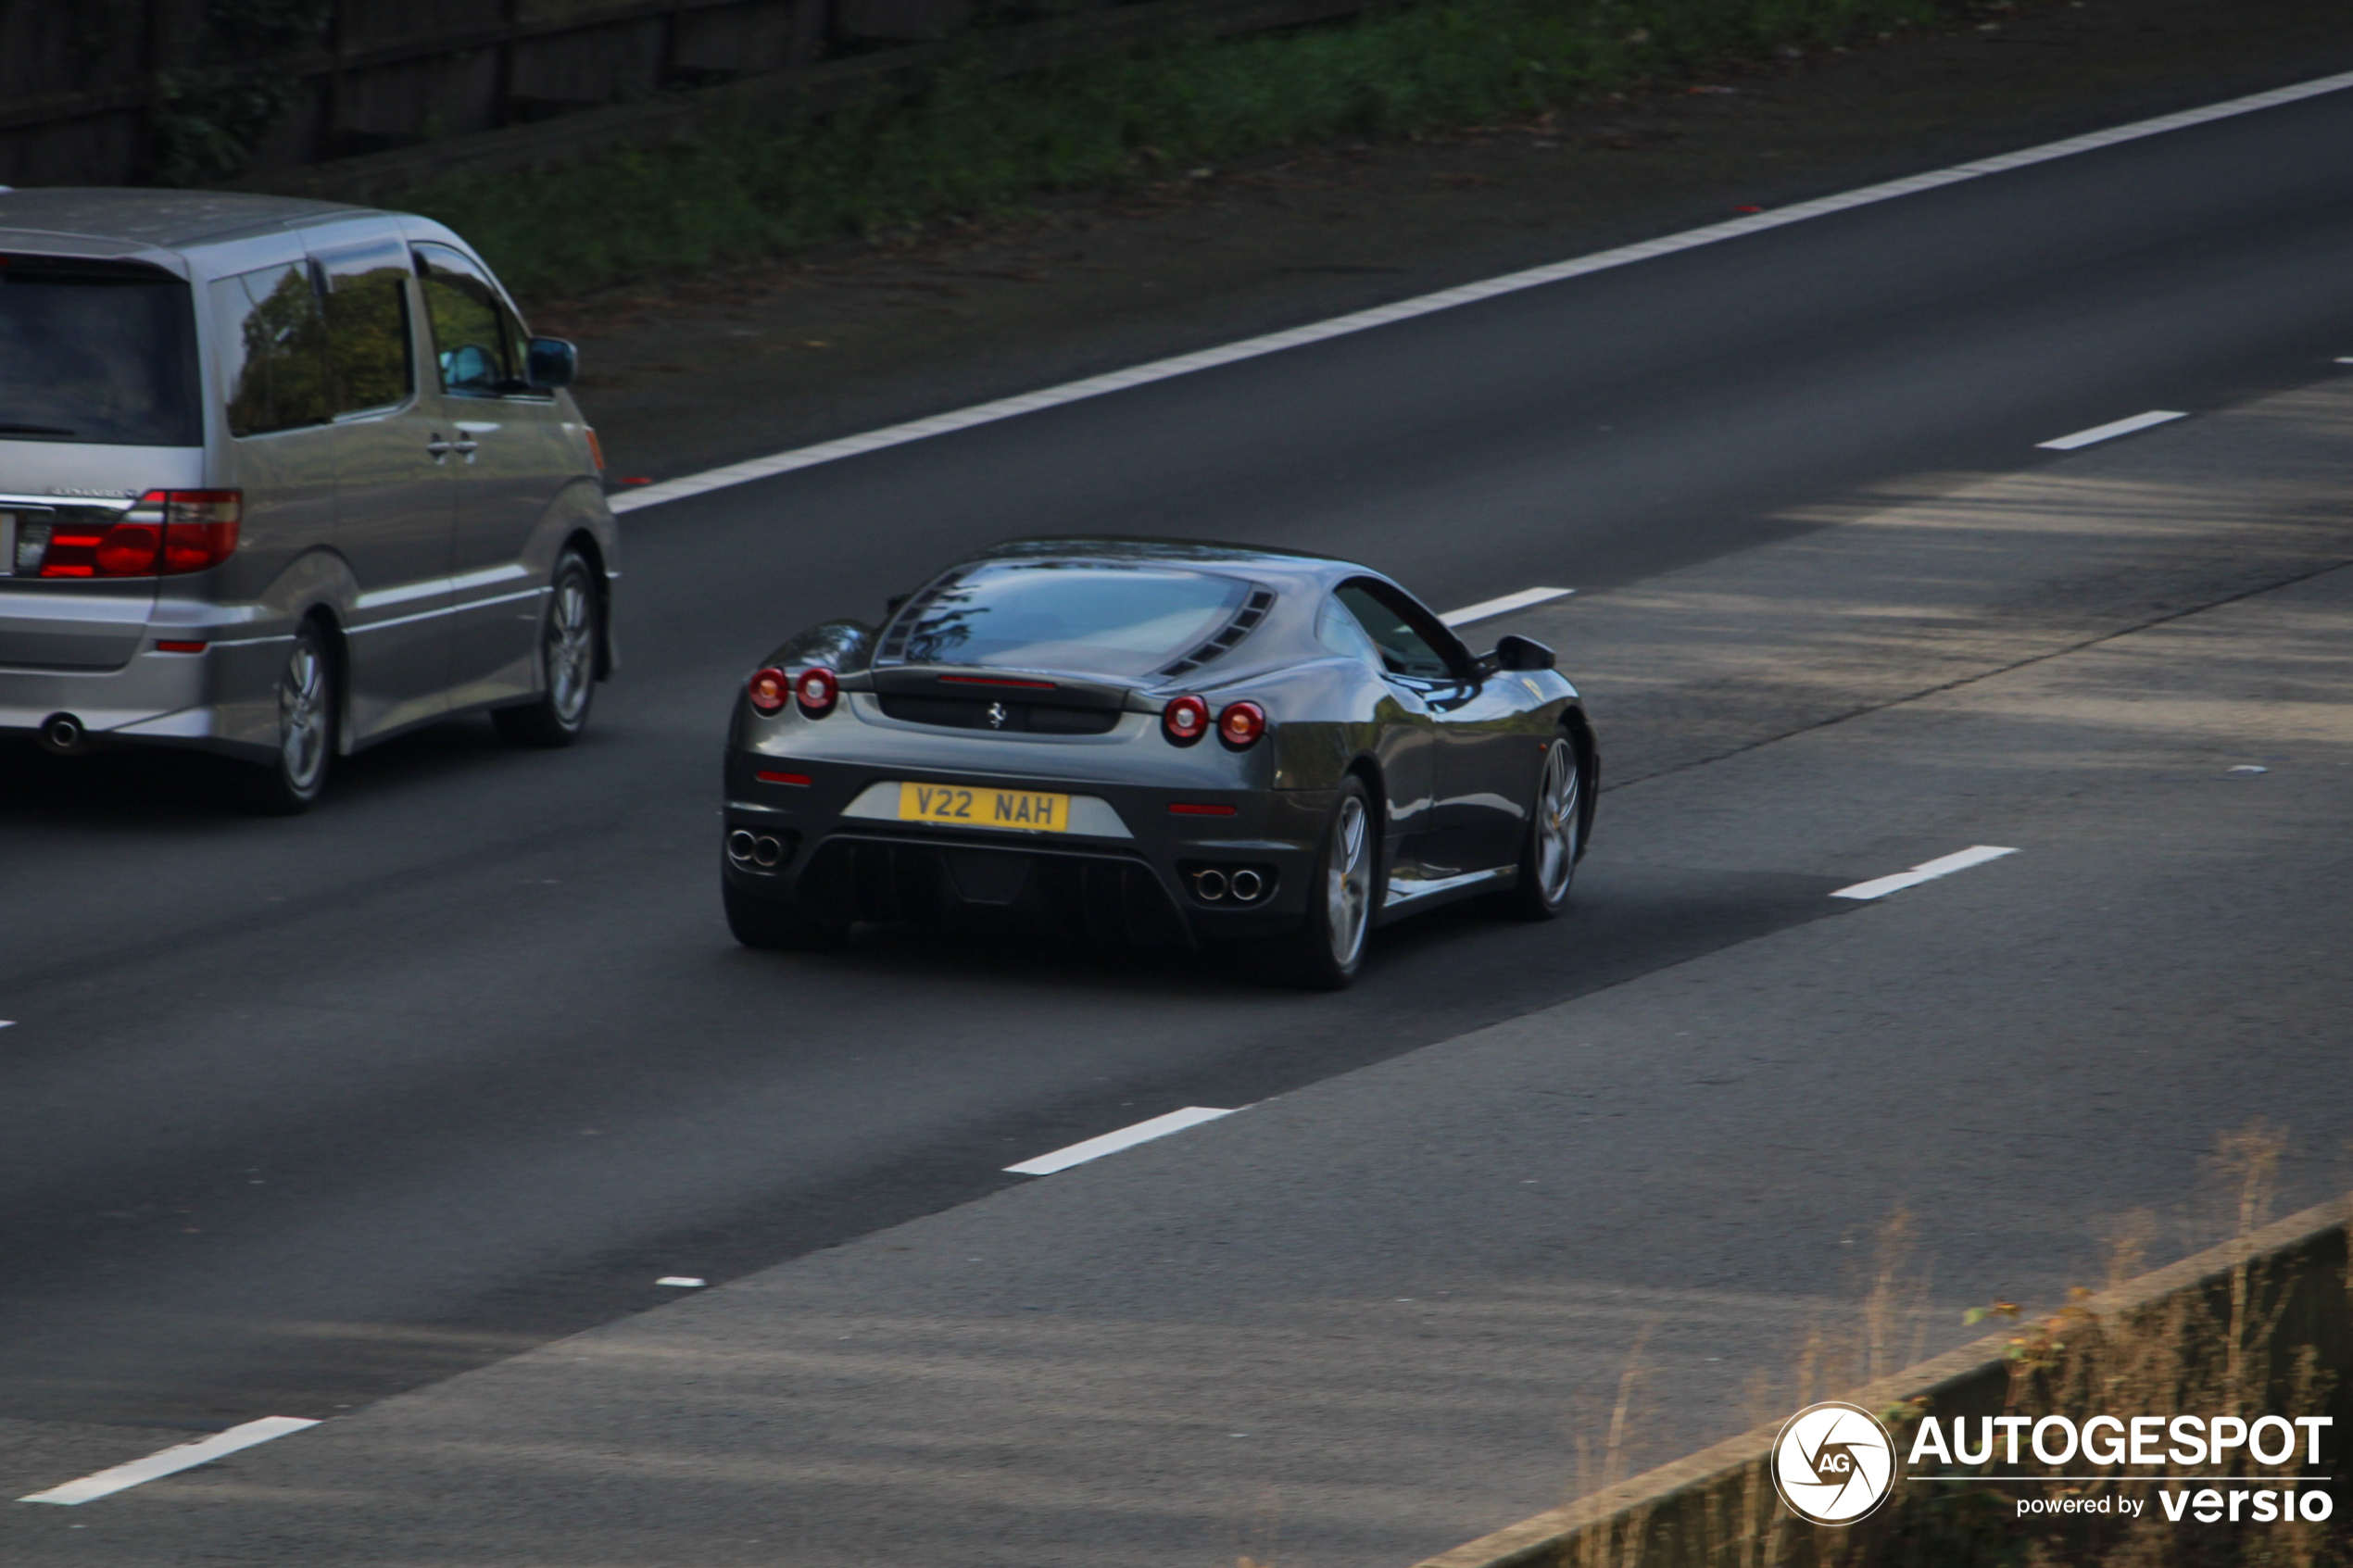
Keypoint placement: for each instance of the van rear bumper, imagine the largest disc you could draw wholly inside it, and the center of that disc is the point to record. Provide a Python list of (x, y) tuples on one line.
[(222, 699)]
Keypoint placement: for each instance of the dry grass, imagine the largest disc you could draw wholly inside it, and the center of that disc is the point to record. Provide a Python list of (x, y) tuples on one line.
[(2265, 1336)]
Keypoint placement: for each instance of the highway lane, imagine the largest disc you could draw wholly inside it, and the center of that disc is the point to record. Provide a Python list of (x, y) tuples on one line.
[(296, 1114), (1397, 1308)]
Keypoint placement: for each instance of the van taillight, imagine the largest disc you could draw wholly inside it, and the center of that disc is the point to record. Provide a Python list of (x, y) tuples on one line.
[(166, 532)]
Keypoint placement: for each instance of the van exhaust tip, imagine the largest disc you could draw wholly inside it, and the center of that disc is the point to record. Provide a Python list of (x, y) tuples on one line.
[(62, 735)]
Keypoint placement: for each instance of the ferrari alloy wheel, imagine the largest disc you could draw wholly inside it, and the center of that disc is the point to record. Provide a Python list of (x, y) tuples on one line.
[(774, 924), (294, 778), (568, 639), (1325, 952), (1555, 821)]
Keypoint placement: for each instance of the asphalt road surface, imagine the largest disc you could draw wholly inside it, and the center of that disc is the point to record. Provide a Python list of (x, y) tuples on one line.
[(294, 1116)]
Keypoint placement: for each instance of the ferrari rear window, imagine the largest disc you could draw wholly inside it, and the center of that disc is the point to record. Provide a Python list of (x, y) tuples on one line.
[(1074, 617)]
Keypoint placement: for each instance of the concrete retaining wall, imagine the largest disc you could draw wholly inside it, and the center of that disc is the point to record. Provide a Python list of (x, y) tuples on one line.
[(2283, 1294)]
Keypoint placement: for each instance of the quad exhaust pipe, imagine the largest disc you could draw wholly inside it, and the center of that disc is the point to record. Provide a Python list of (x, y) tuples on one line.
[(1239, 885), (763, 850)]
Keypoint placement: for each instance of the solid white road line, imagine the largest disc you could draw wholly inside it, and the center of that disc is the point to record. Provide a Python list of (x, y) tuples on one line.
[(1447, 299), (1927, 871), (2111, 431), (171, 1462), (1503, 606), (1111, 1143)]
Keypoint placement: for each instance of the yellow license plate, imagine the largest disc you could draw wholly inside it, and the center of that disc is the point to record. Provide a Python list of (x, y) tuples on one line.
[(968, 806)]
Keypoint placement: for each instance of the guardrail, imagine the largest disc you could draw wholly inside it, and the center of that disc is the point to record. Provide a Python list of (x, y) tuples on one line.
[(2283, 1295)]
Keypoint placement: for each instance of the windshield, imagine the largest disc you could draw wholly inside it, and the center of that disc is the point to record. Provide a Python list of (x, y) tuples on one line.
[(97, 351), (1080, 617)]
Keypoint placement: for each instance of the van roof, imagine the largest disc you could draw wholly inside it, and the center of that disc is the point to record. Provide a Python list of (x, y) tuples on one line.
[(130, 220)]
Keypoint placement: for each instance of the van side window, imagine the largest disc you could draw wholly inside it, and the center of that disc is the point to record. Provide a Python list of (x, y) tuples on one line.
[(367, 311), (476, 339), (273, 350)]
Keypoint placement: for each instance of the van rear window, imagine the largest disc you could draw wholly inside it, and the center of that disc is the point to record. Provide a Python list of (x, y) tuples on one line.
[(93, 351)]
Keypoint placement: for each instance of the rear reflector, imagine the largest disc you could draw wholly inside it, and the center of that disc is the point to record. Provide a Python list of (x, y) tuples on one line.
[(179, 648), (1199, 809), (766, 777)]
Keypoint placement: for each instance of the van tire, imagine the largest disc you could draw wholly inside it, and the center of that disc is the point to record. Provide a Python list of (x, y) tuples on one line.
[(570, 631), (308, 701)]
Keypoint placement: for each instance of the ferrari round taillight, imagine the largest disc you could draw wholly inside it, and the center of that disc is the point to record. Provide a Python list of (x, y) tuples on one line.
[(768, 690), (1185, 720), (1241, 725), (816, 689)]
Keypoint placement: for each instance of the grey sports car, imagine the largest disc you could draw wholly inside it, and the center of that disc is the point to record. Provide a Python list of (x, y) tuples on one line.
[(1152, 741)]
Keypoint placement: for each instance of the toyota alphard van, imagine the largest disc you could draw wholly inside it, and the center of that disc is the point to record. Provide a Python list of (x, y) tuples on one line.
[(280, 478)]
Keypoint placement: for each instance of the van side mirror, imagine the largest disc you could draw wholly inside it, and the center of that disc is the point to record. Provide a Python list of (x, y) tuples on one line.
[(1522, 653), (550, 362)]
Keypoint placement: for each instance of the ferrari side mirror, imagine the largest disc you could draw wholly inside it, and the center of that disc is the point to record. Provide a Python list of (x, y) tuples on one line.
[(1522, 653)]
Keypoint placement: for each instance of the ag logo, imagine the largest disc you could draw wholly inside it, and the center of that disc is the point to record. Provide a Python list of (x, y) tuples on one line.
[(997, 715), (1834, 1463)]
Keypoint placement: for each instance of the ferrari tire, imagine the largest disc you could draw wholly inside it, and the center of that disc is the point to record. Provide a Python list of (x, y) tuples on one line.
[(570, 634), (295, 776), (774, 925), (1549, 851), (1325, 951)]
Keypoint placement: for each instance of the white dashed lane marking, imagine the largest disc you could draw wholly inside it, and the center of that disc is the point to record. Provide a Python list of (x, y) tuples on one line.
[(1504, 606), (2111, 431), (171, 1462), (1111, 1143), (1927, 871)]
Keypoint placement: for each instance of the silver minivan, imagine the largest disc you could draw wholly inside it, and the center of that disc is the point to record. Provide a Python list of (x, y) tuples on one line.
[(280, 478)]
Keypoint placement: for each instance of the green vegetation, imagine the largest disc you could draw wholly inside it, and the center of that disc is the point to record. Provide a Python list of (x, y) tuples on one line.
[(967, 143), (227, 87)]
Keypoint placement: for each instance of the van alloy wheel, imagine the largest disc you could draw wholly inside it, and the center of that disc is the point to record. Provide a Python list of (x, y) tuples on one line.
[(297, 775), (569, 633)]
